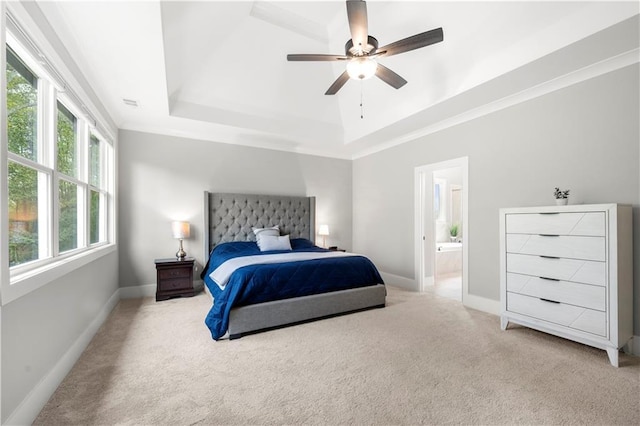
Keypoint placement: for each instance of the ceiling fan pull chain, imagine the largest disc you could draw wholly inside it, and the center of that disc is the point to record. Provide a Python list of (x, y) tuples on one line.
[(361, 102)]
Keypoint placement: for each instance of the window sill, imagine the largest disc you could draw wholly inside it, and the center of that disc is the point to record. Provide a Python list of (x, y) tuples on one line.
[(32, 280)]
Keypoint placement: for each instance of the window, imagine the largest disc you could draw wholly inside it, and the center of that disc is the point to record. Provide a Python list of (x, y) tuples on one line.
[(24, 180), (22, 108), (97, 191), (23, 214), (67, 167), (67, 133), (59, 170)]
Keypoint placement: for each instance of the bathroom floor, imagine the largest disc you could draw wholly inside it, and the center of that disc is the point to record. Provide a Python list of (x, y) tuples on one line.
[(449, 286)]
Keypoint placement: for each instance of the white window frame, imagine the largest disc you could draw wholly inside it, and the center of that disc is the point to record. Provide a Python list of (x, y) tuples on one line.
[(51, 264)]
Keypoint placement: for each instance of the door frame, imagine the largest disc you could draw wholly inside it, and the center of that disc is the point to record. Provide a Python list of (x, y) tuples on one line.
[(423, 196)]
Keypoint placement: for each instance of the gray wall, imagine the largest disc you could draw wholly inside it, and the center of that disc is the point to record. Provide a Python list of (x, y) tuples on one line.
[(584, 137), (163, 178), (39, 328)]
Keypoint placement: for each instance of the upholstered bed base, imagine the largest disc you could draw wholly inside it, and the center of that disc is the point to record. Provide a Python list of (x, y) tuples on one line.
[(228, 217), (270, 315)]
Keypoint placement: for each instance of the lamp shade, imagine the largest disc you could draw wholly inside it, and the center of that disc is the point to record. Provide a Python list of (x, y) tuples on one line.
[(361, 68), (180, 230), (323, 230)]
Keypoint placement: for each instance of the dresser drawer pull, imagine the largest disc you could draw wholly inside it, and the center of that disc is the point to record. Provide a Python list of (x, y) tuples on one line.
[(549, 235), (549, 257), (549, 213), (549, 279), (547, 300)]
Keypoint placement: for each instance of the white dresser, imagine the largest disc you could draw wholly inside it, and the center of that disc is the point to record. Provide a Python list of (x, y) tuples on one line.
[(568, 271)]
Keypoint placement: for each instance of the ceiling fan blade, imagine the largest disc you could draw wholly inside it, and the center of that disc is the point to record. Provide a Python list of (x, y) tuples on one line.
[(411, 43), (312, 57), (390, 77), (358, 23), (337, 85)]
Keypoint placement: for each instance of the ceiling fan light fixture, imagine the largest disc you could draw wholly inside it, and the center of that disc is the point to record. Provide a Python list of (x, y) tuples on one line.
[(362, 68)]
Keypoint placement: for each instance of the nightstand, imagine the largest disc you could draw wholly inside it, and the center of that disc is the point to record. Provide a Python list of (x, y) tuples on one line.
[(175, 278), (334, 248)]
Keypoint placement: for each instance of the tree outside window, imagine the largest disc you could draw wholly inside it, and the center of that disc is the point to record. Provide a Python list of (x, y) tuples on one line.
[(58, 183), (22, 120), (68, 192)]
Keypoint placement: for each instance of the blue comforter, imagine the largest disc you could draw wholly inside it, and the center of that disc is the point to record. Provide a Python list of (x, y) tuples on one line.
[(253, 284)]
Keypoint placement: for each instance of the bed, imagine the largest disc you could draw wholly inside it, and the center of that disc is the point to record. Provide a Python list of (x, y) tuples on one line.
[(230, 220)]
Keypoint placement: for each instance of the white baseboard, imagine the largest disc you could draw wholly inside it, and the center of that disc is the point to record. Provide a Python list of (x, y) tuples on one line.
[(635, 345), (147, 290), (483, 304), (137, 291), (398, 281), (31, 405)]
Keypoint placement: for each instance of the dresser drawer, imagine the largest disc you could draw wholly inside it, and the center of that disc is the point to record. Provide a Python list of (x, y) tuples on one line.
[(575, 317), (574, 247), (583, 295), (165, 274), (581, 271), (586, 224)]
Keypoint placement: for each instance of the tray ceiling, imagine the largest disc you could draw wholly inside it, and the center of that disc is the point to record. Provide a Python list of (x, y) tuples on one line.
[(218, 70)]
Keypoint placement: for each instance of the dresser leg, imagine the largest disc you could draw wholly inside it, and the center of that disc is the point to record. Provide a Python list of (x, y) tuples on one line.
[(613, 356), (504, 322)]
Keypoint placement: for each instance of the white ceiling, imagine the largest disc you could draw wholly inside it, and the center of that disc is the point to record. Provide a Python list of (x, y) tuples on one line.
[(217, 70)]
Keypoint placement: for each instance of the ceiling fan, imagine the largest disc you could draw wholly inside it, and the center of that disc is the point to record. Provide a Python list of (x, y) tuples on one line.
[(362, 52)]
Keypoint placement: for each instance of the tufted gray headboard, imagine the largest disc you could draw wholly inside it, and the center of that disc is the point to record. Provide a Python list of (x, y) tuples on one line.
[(230, 217)]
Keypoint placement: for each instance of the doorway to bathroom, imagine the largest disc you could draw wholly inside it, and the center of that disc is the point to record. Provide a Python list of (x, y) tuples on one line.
[(441, 193), (447, 222)]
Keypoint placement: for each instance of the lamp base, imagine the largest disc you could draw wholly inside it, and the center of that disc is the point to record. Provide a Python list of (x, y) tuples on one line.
[(181, 254)]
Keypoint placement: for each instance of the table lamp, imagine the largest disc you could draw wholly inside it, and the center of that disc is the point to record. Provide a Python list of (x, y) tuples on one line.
[(323, 231), (180, 230)]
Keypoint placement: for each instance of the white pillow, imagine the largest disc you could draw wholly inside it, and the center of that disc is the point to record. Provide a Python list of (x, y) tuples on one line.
[(262, 232), (272, 242), (274, 230)]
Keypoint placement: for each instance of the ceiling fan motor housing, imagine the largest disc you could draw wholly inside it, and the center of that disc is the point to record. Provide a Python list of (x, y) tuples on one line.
[(371, 47)]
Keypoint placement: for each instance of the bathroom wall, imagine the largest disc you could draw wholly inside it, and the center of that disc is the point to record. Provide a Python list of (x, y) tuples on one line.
[(447, 178)]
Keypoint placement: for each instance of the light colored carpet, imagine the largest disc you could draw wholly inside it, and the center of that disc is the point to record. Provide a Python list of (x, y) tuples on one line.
[(422, 359)]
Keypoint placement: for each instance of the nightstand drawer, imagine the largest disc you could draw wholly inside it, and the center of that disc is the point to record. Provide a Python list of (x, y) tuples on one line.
[(588, 224), (167, 274), (175, 284)]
